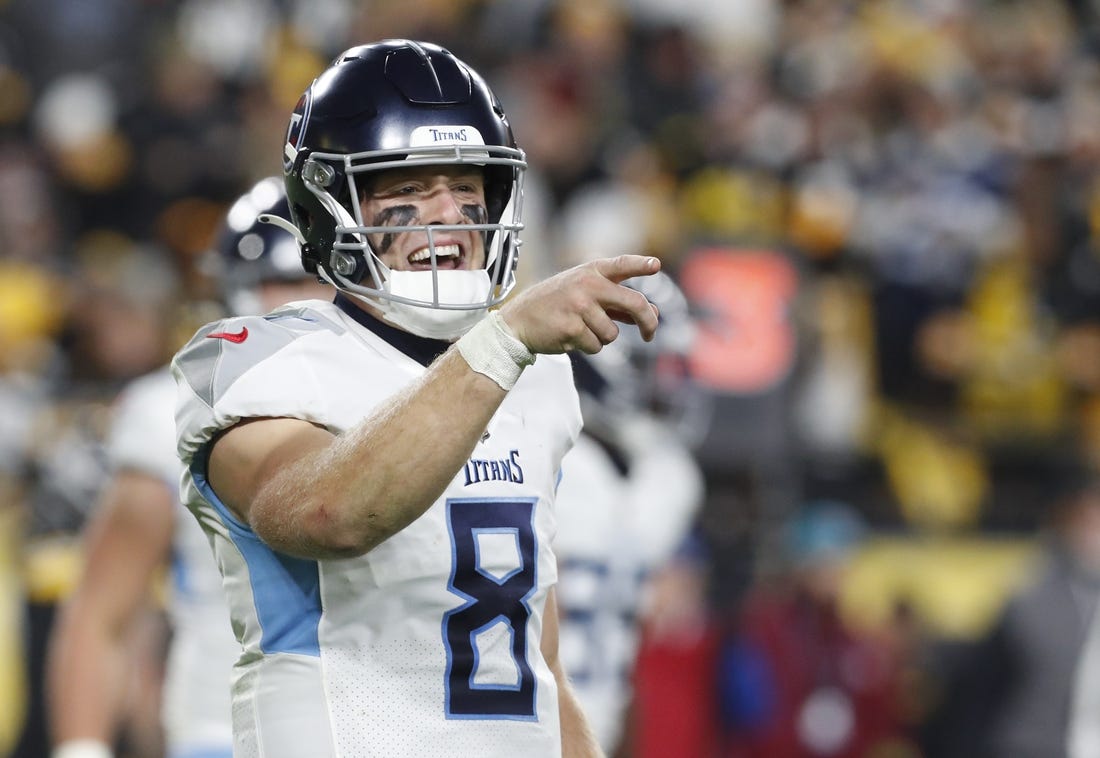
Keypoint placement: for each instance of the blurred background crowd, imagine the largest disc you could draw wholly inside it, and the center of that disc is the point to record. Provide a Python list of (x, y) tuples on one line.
[(886, 214)]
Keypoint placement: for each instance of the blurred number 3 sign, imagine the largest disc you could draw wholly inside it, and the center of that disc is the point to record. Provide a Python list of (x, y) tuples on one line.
[(746, 343)]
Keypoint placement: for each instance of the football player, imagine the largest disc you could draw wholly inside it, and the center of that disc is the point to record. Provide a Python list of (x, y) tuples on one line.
[(377, 473), (629, 491), (140, 526)]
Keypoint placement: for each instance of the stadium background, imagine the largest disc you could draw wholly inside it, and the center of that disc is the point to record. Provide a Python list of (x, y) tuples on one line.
[(886, 211)]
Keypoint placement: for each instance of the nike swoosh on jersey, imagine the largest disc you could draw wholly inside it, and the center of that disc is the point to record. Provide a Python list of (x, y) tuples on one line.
[(237, 337)]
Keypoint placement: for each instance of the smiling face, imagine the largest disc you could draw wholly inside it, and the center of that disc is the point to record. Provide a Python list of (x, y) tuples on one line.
[(427, 195)]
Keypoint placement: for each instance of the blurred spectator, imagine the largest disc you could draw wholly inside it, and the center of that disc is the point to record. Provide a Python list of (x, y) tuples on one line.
[(1010, 693), (797, 679), (673, 712)]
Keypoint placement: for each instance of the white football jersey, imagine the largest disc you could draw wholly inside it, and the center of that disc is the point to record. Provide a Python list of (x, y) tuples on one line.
[(196, 711), (428, 645), (617, 521)]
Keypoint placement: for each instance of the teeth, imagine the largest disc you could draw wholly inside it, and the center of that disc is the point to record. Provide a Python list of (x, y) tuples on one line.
[(441, 251)]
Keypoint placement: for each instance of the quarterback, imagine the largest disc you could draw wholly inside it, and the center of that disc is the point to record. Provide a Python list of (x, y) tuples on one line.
[(376, 474)]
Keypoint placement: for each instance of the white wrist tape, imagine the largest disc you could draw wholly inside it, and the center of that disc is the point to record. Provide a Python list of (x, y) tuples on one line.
[(86, 748), (491, 349)]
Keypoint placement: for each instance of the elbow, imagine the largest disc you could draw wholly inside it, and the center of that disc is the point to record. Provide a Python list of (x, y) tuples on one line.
[(334, 538), (342, 536), (320, 530)]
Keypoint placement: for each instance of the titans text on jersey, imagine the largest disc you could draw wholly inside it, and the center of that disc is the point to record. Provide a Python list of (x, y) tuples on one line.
[(504, 470)]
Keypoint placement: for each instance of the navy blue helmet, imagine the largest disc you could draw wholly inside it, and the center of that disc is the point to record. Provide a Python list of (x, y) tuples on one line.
[(401, 104)]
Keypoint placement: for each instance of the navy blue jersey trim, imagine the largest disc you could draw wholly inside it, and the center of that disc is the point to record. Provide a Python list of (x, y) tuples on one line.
[(423, 350)]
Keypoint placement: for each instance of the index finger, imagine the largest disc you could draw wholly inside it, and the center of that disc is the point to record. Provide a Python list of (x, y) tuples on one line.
[(623, 267)]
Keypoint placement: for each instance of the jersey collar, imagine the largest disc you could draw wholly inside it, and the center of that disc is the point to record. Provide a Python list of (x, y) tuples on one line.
[(423, 350)]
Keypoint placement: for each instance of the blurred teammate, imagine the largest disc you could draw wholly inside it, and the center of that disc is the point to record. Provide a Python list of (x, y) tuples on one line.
[(139, 526), (377, 473), (117, 326), (630, 488)]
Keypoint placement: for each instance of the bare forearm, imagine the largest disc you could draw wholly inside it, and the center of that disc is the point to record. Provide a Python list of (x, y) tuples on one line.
[(378, 477), (90, 662), (87, 671), (577, 739)]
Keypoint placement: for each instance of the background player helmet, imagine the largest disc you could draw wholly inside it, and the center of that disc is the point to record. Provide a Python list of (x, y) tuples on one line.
[(250, 251), (391, 104), (631, 374)]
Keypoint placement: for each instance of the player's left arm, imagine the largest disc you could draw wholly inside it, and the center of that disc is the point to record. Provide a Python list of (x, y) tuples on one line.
[(577, 738)]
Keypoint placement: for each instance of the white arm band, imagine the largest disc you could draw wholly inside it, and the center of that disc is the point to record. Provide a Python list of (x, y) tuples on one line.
[(82, 748), (491, 349)]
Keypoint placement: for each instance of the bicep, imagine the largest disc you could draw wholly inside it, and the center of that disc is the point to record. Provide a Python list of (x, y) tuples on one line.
[(246, 457)]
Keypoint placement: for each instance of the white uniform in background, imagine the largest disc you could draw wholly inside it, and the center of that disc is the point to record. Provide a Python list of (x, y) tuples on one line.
[(196, 690), (428, 645), (623, 510)]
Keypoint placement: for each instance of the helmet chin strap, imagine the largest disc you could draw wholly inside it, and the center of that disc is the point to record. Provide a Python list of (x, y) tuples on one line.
[(473, 287), (432, 323)]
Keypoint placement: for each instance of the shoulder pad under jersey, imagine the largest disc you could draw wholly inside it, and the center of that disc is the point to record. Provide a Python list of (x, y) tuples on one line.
[(222, 351)]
